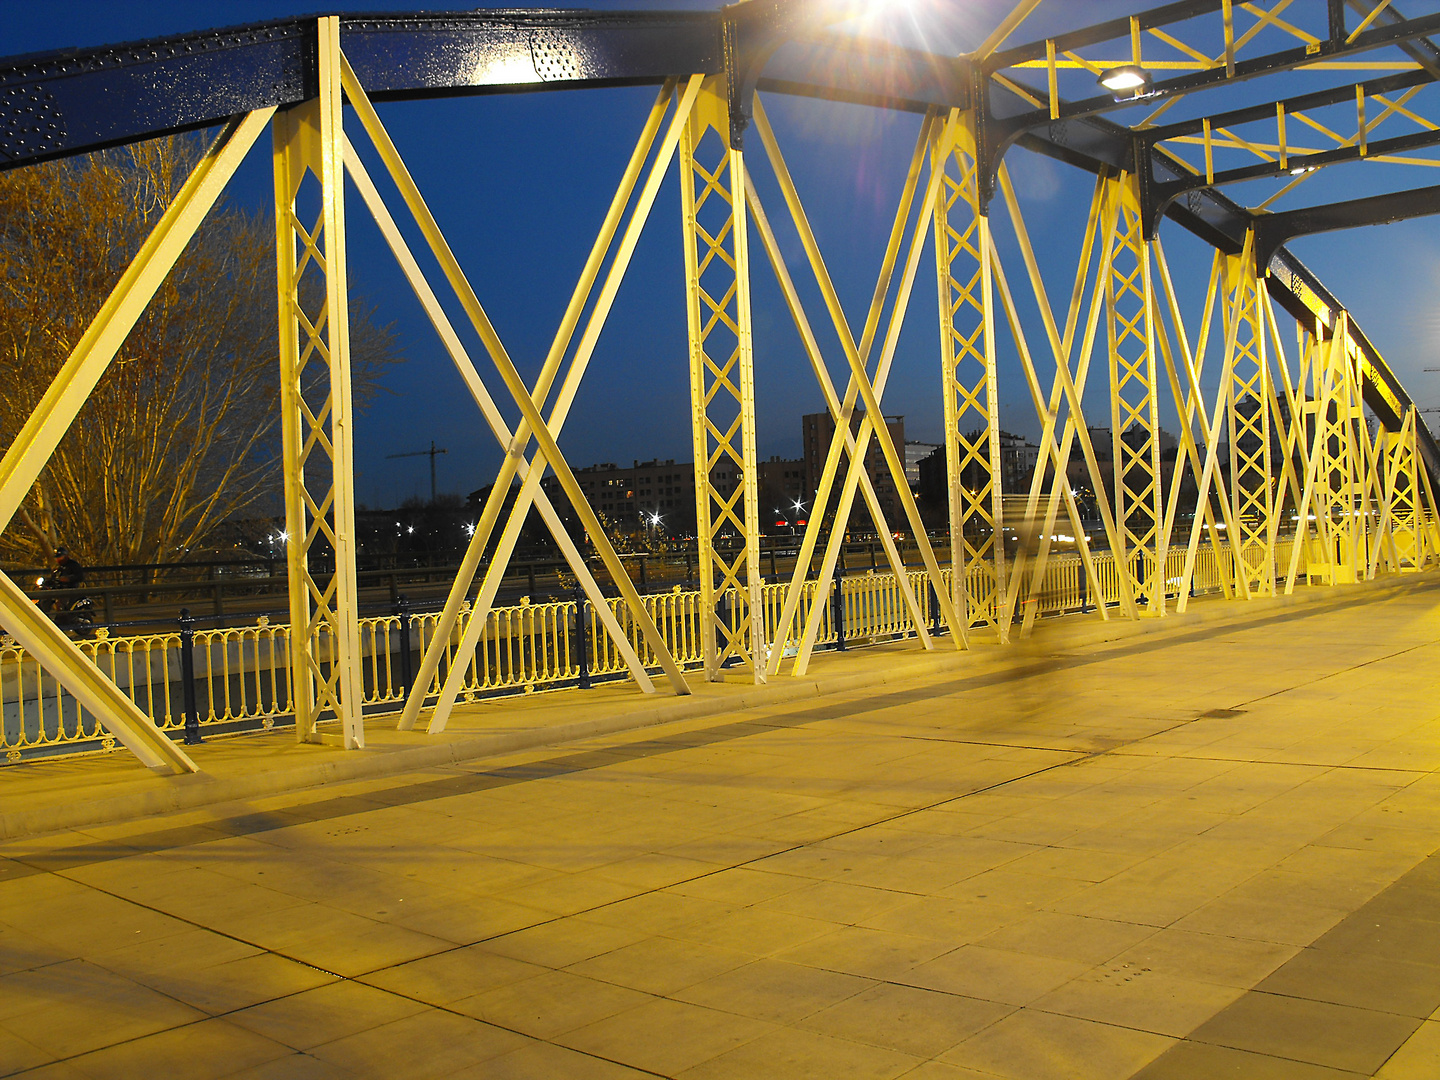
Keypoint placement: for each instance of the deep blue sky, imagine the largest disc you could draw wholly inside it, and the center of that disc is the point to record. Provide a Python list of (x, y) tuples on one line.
[(520, 184)]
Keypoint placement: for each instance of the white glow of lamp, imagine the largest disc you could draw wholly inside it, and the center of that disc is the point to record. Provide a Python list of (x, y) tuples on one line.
[(1126, 81)]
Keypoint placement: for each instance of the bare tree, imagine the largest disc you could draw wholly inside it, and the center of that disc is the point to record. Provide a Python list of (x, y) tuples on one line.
[(181, 435)]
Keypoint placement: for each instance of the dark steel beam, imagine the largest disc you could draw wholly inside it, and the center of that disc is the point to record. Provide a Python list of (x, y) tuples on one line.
[(1274, 231), (79, 100), (69, 102), (1005, 129), (1161, 194), (1156, 194)]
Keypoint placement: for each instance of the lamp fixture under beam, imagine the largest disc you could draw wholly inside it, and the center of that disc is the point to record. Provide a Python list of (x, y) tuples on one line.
[(1126, 81)]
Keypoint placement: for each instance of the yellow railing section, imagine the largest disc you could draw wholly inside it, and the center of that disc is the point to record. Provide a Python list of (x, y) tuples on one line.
[(242, 674)]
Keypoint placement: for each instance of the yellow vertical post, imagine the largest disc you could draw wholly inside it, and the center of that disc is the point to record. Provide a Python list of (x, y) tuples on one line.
[(972, 405), (1129, 308), (1247, 406), (1402, 496), (722, 388), (316, 410), (1336, 472)]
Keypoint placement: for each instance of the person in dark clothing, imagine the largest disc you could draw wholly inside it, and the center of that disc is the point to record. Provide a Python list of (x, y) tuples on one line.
[(68, 573)]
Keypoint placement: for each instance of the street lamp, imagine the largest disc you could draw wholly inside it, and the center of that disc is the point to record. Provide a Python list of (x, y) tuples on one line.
[(1126, 81)]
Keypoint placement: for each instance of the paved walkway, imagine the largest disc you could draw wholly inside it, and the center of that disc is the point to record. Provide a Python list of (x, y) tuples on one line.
[(1191, 855)]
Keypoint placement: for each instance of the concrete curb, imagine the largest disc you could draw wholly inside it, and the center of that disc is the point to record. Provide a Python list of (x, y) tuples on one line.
[(195, 791)]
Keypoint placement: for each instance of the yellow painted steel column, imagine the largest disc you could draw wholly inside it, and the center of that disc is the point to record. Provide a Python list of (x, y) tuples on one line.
[(722, 389), (316, 409), (1336, 470), (1402, 497), (1130, 307), (972, 405), (1252, 476)]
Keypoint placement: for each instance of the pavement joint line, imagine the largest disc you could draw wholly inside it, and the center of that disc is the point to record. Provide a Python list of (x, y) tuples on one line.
[(1354, 667), (15, 825), (777, 723), (544, 922), (1120, 636), (555, 766), (1364, 913)]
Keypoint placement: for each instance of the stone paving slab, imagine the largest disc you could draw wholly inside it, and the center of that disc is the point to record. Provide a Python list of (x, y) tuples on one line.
[(1201, 854), (93, 789)]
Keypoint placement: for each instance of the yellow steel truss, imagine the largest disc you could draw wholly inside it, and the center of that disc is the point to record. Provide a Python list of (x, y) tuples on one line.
[(974, 479), (41, 433), (1066, 393), (317, 414), (1337, 486), (861, 389), (1134, 430), (1406, 539), (1190, 409), (1248, 393), (532, 424), (722, 388), (841, 412)]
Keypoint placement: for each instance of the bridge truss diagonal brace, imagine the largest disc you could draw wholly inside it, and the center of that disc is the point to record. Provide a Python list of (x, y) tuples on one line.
[(799, 584), (494, 420), (532, 424), (317, 411), (1067, 388), (841, 413), (42, 432), (1336, 481), (1190, 408), (869, 392), (722, 387)]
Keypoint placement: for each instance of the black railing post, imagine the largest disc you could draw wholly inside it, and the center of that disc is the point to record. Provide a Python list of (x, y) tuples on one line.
[(934, 609), (837, 607), (644, 578), (407, 673), (582, 640), (1084, 588), (187, 678)]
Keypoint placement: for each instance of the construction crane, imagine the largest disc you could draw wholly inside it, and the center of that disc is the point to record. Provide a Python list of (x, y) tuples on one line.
[(424, 453)]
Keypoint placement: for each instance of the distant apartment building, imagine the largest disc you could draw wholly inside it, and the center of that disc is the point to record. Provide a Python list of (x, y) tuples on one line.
[(633, 497), (915, 452), (782, 484), (816, 432), (1018, 458)]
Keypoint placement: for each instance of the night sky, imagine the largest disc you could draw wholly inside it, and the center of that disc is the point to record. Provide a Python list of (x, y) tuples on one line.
[(520, 184)]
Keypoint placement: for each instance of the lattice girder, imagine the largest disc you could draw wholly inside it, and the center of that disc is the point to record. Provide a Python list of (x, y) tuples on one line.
[(722, 386), (968, 381), (316, 408), (1130, 309)]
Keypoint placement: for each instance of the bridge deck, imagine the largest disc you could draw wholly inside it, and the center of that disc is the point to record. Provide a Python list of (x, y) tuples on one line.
[(1196, 852)]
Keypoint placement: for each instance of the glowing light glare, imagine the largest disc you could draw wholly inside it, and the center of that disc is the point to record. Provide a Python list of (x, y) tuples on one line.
[(798, 505), (1128, 79), (283, 537), (469, 528)]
